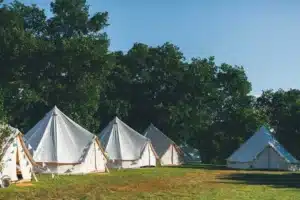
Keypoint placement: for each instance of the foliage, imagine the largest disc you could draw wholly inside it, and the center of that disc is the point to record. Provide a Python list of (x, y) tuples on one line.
[(283, 111), (64, 60), (58, 61)]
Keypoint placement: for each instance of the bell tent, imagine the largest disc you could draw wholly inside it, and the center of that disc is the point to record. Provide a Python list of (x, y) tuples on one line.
[(125, 147), (64, 147), (262, 151), (168, 152), (16, 162)]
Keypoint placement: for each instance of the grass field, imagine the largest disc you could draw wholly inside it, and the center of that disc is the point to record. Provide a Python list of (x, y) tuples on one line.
[(163, 183)]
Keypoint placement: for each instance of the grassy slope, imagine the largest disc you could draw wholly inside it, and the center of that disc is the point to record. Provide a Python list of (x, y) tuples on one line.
[(163, 183)]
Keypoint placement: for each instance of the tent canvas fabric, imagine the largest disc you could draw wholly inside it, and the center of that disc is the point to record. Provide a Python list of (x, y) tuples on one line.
[(64, 146), (16, 157), (262, 151), (126, 148), (168, 152)]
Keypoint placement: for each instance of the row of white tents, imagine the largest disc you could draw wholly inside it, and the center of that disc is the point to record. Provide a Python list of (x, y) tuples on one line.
[(58, 145)]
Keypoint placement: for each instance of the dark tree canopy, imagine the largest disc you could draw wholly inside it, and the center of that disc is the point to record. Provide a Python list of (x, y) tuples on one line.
[(64, 60)]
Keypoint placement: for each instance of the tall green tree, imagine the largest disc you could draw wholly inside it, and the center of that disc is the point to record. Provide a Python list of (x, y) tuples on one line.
[(283, 111), (236, 119), (193, 114), (78, 64), (145, 81), (64, 60), (18, 49), (59, 61)]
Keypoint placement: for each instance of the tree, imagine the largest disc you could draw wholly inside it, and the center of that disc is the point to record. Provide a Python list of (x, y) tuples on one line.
[(59, 61), (283, 111), (32, 17), (236, 120), (71, 19), (193, 114), (197, 102), (78, 64), (65, 61)]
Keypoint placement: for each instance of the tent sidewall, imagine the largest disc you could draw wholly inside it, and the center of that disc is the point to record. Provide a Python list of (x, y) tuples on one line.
[(9, 161), (171, 157), (94, 161), (147, 159), (267, 159)]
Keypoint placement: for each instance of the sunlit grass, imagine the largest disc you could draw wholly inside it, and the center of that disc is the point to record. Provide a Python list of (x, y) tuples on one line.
[(163, 183)]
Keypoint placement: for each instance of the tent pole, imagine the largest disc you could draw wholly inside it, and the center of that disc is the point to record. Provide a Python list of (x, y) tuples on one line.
[(149, 154), (34, 176), (172, 155), (95, 156), (269, 157), (106, 168)]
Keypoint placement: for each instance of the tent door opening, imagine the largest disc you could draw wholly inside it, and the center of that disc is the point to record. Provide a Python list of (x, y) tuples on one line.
[(18, 169), (269, 157)]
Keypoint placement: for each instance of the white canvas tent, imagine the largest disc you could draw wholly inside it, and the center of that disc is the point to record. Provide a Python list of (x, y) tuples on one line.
[(126, 148), (262, 151), (168, 152), (16, 162), (65, 147)]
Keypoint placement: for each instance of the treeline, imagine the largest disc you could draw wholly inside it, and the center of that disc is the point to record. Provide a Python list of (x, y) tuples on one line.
[(64, 60)]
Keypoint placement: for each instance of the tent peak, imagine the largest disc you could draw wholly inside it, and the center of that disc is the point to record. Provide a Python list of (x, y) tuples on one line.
[(55, 110), (116, 119), (121, 141), (152, 126), (264, 130)]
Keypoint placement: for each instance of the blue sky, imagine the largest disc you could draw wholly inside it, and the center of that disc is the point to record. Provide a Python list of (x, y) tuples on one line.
[(261, 35)]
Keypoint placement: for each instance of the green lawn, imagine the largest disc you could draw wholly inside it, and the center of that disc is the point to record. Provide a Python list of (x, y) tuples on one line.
[(163, 183)]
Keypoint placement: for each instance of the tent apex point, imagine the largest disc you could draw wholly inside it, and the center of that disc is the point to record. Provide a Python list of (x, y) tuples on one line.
[(115, 119)]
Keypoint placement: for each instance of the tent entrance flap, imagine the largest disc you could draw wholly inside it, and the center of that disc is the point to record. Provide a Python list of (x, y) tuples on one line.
[(18, 169)]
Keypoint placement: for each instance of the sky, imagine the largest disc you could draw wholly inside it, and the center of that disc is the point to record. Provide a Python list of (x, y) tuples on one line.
[(263, 36)]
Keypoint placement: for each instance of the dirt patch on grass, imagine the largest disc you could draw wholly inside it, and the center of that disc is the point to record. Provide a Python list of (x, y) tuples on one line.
[(24, 184), (149, 186), (208, 180)]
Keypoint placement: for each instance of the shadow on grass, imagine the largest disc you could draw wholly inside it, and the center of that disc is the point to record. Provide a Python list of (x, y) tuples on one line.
[(286, 180), (218, 167)]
